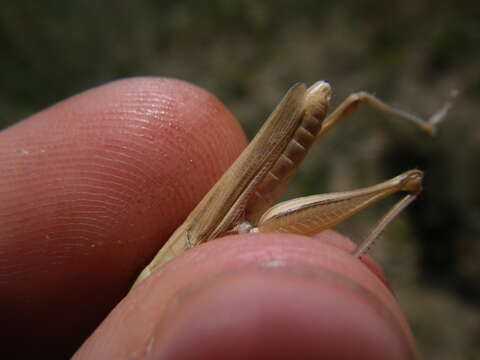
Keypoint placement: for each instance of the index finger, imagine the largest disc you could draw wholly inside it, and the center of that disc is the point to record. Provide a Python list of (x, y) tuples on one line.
[(89, 190)]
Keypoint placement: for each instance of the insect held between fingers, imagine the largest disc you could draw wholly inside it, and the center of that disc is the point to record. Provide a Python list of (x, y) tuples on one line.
[(241, 201)]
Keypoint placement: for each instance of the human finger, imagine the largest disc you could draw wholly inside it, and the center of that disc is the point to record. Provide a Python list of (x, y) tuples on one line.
[(258, 296), (90, 188)]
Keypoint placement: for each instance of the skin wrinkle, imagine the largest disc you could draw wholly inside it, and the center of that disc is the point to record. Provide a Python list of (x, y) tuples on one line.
[(82, 202), (76, 171), (81, 180), (81, 205)]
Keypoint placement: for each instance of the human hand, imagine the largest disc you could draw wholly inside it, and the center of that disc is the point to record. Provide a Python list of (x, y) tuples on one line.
[(89, 190)]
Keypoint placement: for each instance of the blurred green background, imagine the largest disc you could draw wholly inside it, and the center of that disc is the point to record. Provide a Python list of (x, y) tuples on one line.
[(411, 53)]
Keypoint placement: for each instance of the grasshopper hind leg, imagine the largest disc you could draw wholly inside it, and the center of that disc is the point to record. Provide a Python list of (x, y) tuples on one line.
[(313, 214)]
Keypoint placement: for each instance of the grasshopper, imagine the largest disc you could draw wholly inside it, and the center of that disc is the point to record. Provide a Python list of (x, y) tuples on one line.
[(241, 201)]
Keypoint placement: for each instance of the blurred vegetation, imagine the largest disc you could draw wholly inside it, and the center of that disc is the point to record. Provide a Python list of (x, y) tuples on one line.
[(411, 53)]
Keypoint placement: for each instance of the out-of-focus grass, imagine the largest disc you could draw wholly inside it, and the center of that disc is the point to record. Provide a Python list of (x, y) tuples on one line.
[(410, 53)]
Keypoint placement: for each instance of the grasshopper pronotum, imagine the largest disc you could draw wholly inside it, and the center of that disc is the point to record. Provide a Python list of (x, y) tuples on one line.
[(241, 201)]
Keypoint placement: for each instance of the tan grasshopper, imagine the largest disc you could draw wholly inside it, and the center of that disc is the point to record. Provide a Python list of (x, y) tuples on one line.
[(241, 201)]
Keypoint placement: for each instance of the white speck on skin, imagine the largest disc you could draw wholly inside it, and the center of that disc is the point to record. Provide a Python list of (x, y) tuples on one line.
[(273, 264)]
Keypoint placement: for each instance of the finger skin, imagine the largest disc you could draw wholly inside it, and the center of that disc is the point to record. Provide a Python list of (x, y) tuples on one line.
[(257, 296), (90, 188)]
